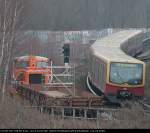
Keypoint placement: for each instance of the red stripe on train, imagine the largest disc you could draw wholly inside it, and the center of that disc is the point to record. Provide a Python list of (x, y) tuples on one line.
[(111, 89)]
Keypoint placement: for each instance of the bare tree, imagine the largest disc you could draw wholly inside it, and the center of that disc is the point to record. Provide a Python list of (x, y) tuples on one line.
[(9, 20)]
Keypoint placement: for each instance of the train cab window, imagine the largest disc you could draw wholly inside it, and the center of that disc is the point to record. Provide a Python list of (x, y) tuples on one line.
[(42, 64), (21, 64), (123, 73)]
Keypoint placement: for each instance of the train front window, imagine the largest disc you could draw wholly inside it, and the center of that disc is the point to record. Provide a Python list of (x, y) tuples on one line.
[(21, 64), (42, 64), (122, 73)]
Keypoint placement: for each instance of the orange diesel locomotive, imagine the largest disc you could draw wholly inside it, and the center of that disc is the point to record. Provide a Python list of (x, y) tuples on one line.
[(32, 70)]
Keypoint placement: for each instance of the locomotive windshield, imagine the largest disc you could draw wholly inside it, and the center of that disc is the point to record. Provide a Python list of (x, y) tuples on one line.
[(121, 73), (21, 64), (42, 64)]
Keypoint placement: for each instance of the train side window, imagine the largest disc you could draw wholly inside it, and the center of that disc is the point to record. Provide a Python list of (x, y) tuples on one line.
[(90, 64), (99, 71), (21, 64), (93, 68), (96, 71)]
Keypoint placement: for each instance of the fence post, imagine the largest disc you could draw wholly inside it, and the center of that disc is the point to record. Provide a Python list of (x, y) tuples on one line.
[(63, 114), (98, 119), (73, 112), (41, 109), (19, 111), (74, 86), (85, 113), (53, 117)]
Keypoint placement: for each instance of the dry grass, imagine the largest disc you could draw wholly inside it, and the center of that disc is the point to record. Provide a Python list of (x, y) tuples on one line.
[(13, 115)]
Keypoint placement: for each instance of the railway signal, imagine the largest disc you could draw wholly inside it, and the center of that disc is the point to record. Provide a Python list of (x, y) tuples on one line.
[(66, 52)]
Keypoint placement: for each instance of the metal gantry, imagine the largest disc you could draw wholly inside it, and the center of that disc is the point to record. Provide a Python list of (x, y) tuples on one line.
[(63, 76)]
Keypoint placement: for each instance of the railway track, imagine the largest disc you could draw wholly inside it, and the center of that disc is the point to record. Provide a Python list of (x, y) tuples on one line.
[(143, 104), (75, 107), (146, 104), (37, 98), (67, 107), (40, 99)]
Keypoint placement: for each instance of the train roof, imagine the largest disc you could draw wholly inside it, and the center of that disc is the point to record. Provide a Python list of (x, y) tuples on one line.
[(109, 48), (26, 58)]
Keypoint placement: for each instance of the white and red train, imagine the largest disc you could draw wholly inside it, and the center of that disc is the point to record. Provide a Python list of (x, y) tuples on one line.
[(113, 72)]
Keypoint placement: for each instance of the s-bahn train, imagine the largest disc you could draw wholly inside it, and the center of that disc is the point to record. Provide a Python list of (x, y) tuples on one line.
[(32, 70), (111, 71)]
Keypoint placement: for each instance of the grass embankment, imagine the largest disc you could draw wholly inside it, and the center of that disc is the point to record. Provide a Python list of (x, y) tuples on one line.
[(14, 115)]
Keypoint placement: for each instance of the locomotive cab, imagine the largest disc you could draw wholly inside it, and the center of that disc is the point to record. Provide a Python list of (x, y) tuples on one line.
[(32, 70), (111, 70), (126, 79)]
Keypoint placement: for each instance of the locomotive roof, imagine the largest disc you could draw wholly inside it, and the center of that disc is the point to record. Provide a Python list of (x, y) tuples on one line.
[(109, 48), (26, 58)]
